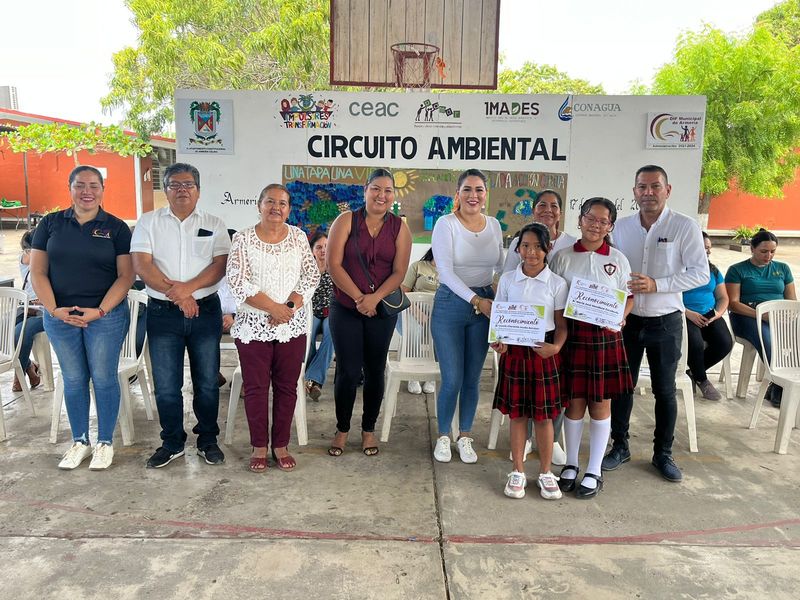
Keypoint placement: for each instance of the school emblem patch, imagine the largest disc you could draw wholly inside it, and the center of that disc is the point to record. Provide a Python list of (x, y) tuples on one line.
[(610, 269)]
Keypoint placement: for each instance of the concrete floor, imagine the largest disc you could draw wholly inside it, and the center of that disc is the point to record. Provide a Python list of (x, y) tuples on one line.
[(398, 525)]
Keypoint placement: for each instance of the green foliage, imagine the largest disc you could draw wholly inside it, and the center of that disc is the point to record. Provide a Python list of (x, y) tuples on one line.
[(531, 78), (783, 22), (743, 233), (60, 137), (216, 44), (753, 107)]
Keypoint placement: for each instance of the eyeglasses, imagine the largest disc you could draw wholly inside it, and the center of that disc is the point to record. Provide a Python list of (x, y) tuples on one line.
[(594, 221), (189, 185), (95, 187)]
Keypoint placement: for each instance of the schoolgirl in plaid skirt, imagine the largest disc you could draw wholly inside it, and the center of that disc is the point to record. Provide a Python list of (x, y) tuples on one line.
[(598, 367), (529, 384)]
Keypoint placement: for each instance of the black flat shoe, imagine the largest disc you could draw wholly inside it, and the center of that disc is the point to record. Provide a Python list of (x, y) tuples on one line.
[(567, 485), (584, 493)]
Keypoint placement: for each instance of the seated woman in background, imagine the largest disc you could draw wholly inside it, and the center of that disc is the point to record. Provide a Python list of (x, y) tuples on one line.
[(35, 321), (422, 276), (319, 359), (752, 282), (709, 340)]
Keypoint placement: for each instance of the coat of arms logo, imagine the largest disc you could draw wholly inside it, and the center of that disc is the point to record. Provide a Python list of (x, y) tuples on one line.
[(205, 116)]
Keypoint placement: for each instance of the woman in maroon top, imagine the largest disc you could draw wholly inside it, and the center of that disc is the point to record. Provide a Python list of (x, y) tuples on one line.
[(361, 337)]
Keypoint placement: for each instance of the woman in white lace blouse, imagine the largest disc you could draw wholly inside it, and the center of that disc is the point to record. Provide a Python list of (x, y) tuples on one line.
[(272, 275)]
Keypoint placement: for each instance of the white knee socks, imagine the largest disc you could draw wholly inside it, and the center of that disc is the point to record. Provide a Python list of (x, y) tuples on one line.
[(598, 439), (573, 430)]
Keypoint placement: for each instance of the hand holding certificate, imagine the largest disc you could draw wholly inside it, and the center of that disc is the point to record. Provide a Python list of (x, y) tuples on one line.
[(517, 323), (595, 303)]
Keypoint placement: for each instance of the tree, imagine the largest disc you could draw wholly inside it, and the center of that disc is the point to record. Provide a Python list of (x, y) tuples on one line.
[(60, 137), (752, 128), (531, 78), (216, 44), (783, 22)]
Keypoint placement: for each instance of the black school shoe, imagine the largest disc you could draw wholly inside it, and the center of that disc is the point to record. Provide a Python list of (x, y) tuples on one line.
[(162, 457), (212, 454), (667, 467), (774, 395)]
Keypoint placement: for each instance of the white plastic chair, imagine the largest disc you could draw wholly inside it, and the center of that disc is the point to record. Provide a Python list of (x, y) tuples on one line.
[(129, 365), (11, 300), (783, 368), (41, 351), (683, 383), (300, 419), (725, 372), (749, 356), (415, 358)]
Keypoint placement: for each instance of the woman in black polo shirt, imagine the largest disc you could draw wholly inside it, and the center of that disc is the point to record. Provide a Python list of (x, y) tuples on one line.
[(81, 271)]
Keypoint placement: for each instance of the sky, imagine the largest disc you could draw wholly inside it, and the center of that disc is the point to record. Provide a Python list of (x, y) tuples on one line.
[(58, 55)]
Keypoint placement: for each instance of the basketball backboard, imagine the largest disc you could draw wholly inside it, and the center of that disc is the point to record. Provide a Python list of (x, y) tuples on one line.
[(415, 43)]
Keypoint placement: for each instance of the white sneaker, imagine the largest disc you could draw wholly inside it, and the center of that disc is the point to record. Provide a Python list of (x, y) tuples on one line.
[(75, 456), (429, 387), (465, 450), (559, 456), (414, 387), (442, 450), (101, 457), (548, 483), (528, 450), (516, 484)]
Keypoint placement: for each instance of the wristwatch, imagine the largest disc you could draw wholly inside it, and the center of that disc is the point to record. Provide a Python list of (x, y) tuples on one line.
[(290, 304)]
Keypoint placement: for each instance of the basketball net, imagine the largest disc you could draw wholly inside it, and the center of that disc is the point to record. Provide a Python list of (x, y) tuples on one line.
[(413, 64)]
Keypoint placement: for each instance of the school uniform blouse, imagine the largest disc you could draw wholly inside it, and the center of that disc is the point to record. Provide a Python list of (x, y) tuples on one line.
[(547, 289), (606, 265)]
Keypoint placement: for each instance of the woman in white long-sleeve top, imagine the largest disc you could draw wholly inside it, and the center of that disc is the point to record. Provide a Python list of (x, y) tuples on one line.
[(468, 246)]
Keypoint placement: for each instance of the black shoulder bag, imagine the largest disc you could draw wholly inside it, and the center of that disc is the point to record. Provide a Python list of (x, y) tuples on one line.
[(393, 304)]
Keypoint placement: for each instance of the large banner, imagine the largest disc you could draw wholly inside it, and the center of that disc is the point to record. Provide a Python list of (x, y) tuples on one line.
[(322, 145)]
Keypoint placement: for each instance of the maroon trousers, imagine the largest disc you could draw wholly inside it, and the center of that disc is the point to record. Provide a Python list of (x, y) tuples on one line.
[(279, 364)]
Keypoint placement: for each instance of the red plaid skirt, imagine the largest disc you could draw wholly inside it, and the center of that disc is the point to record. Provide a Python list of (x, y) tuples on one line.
[(529, 385), (598, 366)]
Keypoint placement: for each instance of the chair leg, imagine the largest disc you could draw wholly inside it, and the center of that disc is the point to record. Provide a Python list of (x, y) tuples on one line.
[(144, 388), (688, 402), (23, 382), (300, 422), (233, 402), (125, 418), (725, 374), (786, 418), (148, 364), (2, 421), (454, 428), (55, 413), (760, 370), (390, 405), (745, 370), (494, 429), (762, 389)]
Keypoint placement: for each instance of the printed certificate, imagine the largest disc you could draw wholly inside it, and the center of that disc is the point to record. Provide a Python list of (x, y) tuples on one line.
[(595, 303), (517, 323)]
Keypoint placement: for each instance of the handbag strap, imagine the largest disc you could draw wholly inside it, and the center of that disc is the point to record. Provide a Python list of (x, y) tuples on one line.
[(354, 228)]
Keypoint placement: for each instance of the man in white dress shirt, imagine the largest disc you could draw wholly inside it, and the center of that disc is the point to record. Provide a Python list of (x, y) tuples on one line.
[(180, 253), (667, 257)]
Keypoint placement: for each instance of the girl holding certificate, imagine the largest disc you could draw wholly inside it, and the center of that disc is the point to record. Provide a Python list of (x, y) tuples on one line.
[(529, 386), (598, 365)]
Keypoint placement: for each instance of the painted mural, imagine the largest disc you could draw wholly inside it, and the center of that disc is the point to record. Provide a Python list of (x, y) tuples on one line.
[(321, 193)]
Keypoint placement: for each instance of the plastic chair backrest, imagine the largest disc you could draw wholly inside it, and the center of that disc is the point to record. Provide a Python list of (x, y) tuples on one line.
[(11, 300), (135, 298), (309, 328), (784, 331), (416, 343)]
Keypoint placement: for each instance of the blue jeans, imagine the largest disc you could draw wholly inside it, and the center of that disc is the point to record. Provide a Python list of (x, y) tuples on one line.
[(319, 359), (745, 327), (169, 334), (33, 325), (660, 337), (90, 352), (460, 339)]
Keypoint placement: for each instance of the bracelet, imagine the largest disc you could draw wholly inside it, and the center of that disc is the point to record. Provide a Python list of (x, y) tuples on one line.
[(476, 306), (101, 311)]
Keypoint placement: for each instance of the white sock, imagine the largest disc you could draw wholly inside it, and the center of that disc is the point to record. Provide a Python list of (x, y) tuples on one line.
[(598, 439), (573, 430)]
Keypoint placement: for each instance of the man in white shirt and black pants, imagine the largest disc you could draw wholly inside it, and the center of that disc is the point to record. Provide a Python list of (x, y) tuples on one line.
[(180, 253), (667, 257)]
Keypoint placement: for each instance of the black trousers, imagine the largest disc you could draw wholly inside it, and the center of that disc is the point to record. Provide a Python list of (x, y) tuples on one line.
[(660, 337), (360, 343), (701, 357)]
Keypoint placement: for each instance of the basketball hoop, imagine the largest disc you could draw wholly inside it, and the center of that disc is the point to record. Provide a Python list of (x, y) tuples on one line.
[(413, 62)]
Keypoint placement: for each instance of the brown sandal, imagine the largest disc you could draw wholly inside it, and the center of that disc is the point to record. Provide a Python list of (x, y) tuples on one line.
[(337, 450), (258, 464), (285, 463)]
